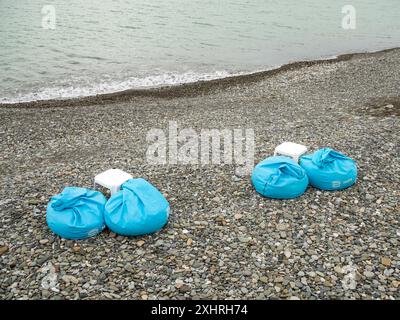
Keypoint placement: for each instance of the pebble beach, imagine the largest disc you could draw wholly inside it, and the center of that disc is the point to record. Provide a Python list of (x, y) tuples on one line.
[(223, 240)]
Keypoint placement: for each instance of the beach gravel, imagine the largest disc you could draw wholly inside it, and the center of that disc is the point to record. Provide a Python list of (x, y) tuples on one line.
[(223, 240)]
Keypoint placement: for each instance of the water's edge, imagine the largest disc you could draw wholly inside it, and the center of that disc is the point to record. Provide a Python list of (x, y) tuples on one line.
[(190, 88)]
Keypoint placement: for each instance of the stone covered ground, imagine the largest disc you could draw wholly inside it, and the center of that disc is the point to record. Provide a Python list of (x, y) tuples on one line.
[(223, 240)]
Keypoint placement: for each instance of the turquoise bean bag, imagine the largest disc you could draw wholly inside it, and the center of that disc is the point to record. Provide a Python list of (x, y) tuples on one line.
[(139, 208), (76, 213), (328, 169), (279, 177)]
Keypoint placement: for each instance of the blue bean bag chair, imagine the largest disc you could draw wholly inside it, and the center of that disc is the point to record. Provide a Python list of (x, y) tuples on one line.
[(328, 169), (139, 208), (279, 177), (76, 213)]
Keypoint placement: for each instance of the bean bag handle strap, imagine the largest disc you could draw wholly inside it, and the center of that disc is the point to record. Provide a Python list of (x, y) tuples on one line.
[(139, 193), (324, 156), (68, 198), (128, 195), (286, 169)]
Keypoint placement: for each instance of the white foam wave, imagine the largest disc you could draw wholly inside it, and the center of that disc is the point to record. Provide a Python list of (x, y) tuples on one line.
[(85, 88)]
